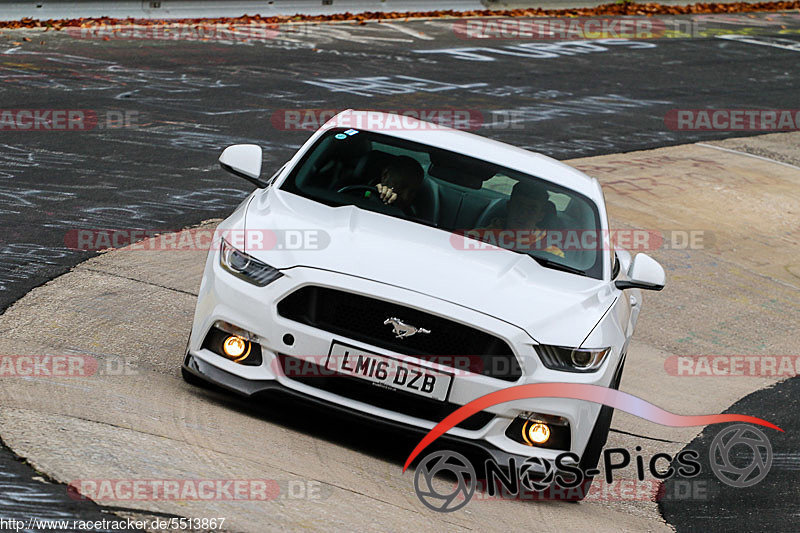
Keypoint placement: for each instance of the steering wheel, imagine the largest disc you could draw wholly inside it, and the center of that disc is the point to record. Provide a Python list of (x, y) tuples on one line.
[(360, 188)]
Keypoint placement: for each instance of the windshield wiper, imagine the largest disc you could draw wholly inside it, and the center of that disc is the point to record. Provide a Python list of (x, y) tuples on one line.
[(549, 263)]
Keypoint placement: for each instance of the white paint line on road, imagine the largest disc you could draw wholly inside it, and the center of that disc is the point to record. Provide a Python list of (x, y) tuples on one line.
[(408, 31), (775, 42), (748, 155)]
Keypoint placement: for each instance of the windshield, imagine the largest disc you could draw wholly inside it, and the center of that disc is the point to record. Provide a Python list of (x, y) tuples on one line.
[(487, 204)]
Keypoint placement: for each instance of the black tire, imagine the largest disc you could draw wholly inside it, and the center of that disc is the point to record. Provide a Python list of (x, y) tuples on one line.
[(598, 439)]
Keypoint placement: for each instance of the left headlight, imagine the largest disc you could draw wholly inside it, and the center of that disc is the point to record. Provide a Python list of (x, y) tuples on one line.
[(572, 359), (245, 266)]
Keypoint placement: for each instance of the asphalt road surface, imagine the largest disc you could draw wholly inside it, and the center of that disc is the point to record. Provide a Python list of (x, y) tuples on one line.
[(770, 504), (166, 106)]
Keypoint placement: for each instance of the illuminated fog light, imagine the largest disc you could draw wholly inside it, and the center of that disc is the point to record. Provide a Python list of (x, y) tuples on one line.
[(236, 348), (540, 430), (536, 432)]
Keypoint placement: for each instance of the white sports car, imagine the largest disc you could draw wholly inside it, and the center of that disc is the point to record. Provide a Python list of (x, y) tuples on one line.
[(399, 273)]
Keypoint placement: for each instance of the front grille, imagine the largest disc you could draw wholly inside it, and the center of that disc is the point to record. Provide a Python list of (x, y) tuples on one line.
[(361, 390), (362, 318)]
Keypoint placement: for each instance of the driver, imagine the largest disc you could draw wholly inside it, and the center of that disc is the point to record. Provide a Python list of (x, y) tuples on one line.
[(400, 182), (527, 210)]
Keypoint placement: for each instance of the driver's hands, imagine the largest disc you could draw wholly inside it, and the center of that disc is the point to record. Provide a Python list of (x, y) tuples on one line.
[(386, 193)]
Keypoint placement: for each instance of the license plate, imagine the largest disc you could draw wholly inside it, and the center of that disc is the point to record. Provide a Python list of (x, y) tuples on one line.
[(388, 371)]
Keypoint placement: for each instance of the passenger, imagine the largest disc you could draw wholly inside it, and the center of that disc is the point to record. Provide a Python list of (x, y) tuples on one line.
[(527, 209)]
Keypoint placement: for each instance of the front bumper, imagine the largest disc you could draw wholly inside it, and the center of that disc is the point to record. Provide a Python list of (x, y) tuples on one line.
[(224, 297), (245, 387)]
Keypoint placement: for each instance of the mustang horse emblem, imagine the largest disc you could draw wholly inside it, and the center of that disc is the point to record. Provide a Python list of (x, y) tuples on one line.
[(403, 330)]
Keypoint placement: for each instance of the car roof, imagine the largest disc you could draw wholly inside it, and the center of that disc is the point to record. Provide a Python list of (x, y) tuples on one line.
[(462, 142)]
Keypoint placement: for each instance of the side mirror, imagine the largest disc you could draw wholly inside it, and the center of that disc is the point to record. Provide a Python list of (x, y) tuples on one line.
[(243, 160), (645, 273)]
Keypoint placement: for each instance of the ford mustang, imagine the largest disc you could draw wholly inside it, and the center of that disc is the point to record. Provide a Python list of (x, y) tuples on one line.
[(399, 273)]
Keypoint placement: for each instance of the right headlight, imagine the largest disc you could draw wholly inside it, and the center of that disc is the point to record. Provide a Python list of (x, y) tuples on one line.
[(245, 266), (572, 359)]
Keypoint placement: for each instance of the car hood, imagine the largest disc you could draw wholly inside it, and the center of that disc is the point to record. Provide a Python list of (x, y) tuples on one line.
[(553, 307)]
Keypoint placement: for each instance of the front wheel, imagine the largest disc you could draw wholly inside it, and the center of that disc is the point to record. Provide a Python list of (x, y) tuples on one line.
[(598, 438)]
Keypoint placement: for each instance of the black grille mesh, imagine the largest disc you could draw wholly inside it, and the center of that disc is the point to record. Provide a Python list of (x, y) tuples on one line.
[(362, 318)]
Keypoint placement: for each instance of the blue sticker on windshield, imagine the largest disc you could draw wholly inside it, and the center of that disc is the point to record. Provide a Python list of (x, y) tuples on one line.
[(351, 132), (340, 136)]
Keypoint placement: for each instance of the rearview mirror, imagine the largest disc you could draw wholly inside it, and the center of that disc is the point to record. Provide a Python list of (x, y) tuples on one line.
[(645, 273), (243, 160)]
